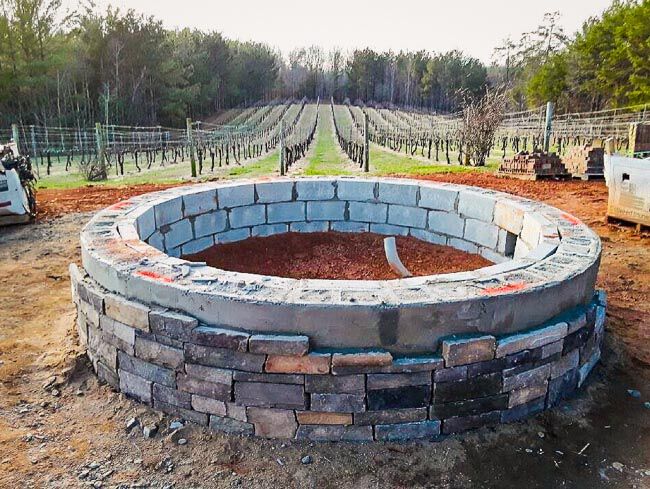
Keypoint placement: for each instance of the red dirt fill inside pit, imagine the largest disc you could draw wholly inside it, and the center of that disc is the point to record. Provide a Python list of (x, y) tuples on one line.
[(335, 256)]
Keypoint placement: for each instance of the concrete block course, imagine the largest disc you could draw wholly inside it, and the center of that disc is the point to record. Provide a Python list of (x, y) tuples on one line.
[(340, 360)]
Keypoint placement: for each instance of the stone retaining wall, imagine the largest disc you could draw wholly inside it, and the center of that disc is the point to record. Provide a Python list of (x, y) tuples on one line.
[(276, 386), (340, 360)]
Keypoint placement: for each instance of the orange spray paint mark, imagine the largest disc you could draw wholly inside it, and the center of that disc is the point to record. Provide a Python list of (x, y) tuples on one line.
[(569, 218), (154, 276), (120, 205), (504, 289)]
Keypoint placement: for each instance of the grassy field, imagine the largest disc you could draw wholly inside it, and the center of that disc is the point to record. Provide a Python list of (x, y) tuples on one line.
[(326, 158)]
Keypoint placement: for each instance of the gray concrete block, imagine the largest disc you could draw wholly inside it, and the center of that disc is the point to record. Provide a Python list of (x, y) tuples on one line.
[(235, 196), (316, 432), (285, 212), (389, 230), (530, 339), (118, 334), (135, 386), (408, 431), (476, 205), (397, 193), (509, 217), (178, 234), (407, 216), (247, 216), (391, 416), (326, 211), (209, 374), (172, 324), (309, 227), (279, 344), (368, 212), (207, 405), (230, 426), (525, 379), (428, 236), (223, 358), (446, 223), (315, 189), (172, 396), (461, 244), (339, 384), (389, 381), (232, 236), (438, 198), (147, 370), (271, 192), (166, 356), (199, 203), (269, 229), (355, 190), (146, 224), (481, 233), (220, 338), (168, 212), (265, 394), (127, 312), (194, 385), (338, 403), (349, 227), (210, 223), (197, 245)]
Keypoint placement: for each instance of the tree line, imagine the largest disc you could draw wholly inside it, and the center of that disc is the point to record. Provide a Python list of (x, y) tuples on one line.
[(603, 65), (75, 68)]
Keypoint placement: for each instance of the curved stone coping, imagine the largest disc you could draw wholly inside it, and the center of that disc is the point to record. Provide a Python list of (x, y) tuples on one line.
[(278, 386), (553, 266)]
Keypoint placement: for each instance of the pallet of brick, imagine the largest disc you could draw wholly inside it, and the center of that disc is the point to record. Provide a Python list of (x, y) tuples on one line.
[(533, 166), (585, 162)]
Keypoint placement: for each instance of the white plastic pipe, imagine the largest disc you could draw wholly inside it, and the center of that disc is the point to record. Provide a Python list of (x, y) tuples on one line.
[(390, 248)]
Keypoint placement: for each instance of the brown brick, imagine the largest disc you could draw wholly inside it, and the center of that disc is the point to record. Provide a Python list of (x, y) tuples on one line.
[(127, 312), (314, 363), (279, 344), (522, 396), (362, 359), (462, 351), (272, 423), (313, 417)]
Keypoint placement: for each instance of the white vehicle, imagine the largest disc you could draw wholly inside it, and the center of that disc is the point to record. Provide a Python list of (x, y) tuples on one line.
[(628, 181), (17, 203)]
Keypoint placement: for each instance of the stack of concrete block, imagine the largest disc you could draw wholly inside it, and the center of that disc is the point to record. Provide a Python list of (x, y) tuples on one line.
[(585, 162), (533, 166)]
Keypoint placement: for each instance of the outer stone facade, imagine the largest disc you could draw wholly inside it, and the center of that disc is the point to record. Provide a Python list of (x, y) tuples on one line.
[(340, 360)]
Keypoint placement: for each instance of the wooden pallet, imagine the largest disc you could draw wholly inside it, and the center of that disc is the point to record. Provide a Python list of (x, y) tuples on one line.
[(640, 228), (589, 176), (534, 176)]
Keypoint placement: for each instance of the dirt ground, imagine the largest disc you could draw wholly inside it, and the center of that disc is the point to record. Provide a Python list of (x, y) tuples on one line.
[(60, 428), (335, 256)]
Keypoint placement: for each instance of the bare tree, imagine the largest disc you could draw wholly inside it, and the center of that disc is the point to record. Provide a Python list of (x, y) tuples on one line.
[(481, 118)]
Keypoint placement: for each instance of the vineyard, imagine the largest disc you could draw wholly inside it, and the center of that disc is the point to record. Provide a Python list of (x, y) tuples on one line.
[(238, 137)]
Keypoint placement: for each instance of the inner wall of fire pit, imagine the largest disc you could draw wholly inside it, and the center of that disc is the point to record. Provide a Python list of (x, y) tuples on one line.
[(340, 359)]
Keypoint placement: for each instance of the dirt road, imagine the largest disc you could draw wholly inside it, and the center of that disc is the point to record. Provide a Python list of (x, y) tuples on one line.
[(69, 431)]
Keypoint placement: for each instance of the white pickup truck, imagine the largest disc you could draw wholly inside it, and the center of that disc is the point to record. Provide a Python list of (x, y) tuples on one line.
[(17, 203)]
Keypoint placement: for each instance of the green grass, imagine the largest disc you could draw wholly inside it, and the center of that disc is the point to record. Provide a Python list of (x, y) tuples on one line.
[(383, 162), (326, 158)]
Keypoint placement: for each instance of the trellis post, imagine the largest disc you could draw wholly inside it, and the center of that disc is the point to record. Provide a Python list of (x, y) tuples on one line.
[(101, 150), (548, 127), (15, 135), (33, 138), (282, 162), (190, 141), (366, 144)]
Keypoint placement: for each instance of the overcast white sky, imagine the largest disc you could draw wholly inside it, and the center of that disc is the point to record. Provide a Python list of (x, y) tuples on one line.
[(473, 26)]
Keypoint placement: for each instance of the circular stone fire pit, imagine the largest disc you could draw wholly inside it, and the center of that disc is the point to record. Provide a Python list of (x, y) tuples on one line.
[(340, 359)]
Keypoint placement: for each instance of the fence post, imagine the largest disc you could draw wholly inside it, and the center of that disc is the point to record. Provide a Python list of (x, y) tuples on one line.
[(15, 136), (36, 163), (190, 140), (282, 162), (101, 150), (366, 144), (549, 126)]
